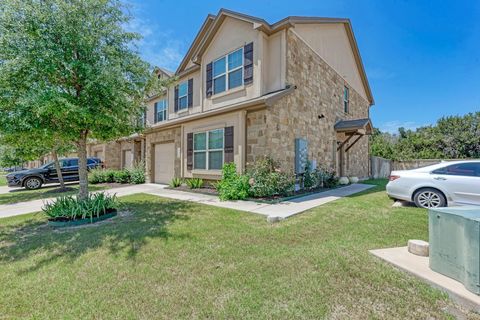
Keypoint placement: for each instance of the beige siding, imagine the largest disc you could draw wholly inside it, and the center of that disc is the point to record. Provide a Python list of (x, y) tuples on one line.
[(330, 41)]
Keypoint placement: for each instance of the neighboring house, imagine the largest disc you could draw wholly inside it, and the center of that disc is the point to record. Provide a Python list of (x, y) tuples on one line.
[(120, 154), (248, 89)]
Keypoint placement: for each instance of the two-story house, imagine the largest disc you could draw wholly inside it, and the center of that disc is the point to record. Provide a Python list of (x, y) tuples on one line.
[(248, 89)]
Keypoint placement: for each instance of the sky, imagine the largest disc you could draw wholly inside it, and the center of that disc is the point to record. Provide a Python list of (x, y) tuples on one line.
[(422, 58)]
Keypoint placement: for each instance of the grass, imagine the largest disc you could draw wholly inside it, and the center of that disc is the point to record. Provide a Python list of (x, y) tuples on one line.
[(178, 260), (3, 180), (21, 195)]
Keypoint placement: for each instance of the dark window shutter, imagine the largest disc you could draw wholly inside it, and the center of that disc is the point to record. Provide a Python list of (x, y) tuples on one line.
[(189, 151), (248, 63), (176, 99), (190, 93), (155, 111), (209, 89), (228, 146)]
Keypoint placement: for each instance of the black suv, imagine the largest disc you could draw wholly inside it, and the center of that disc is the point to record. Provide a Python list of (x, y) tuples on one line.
[(34, 178)]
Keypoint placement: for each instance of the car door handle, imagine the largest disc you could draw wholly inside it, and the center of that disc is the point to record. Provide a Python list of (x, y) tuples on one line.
[(440, 178)]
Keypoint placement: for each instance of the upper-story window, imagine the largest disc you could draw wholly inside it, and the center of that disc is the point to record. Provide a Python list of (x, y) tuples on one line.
[(346, 99), (161, 110), (183, 95), (228, 71)]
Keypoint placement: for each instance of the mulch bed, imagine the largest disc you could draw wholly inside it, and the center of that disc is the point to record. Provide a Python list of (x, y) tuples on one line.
[(203, 190), (272, 199)]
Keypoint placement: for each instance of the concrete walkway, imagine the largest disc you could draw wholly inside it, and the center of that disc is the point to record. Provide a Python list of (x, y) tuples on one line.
[(273, 212)]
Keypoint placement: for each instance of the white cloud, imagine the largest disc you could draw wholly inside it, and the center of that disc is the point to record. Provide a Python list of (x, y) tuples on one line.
[(392, 126), (158, 47)]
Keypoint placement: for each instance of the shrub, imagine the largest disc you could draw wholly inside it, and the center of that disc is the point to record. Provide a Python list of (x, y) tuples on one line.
[(110, 176), (329, 178), (266, 180), (311, 178), (96, 176), (194, 183), (121, 176), (176, 182), (232, 186), (69, 208), (137, 173)]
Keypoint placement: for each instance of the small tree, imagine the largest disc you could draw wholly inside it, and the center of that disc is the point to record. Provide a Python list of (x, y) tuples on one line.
[(71, 68)]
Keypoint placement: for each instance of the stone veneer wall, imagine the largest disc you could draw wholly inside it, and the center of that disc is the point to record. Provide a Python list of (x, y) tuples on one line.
[(164, 136), (272, 131), (111, 153)]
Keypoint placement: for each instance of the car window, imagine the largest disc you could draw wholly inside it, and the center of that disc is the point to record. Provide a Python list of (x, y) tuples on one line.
[(92, 161), (63, 163), (73, 163), (461, 169)]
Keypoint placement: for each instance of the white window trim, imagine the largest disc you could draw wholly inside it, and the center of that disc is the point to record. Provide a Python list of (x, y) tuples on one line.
[(207, 150), (179, 96), (164, 109), (227, 71)]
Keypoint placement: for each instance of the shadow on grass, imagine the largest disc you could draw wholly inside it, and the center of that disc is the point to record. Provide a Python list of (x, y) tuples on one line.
[(124, 234), (23, 195)]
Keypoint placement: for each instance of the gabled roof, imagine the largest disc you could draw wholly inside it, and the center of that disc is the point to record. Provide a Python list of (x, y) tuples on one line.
[(213, 22), (353, 125)]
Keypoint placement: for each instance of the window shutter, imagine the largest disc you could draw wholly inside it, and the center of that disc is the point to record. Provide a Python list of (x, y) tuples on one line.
[(228, 146), (189, 151), (155, 112), (190, 93), (176, 99), (248, 63), (209, 89)]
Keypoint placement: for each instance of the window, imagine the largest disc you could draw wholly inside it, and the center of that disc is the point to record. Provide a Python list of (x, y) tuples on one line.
[(346, 99), (462, 169), (183, 95), (208, 150), (161, 110), (228, 72)]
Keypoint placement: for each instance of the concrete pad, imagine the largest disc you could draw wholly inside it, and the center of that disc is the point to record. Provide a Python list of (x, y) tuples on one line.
[(418, 266)]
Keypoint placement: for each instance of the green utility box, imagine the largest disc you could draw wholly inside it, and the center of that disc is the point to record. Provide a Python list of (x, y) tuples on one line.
[(454, 235)]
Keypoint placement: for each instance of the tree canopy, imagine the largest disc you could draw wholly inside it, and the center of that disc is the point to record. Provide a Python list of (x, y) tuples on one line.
[(452, 137), (70, 67)]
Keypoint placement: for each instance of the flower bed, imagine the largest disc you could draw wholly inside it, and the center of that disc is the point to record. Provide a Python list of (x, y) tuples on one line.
[(69, 210)]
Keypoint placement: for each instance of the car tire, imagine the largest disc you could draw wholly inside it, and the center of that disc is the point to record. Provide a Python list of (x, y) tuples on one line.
[(33, 183), (429, 198)]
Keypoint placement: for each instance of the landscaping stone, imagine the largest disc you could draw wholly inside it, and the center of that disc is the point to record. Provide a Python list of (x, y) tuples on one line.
[(418, 247), (353, 179), (343, 181)]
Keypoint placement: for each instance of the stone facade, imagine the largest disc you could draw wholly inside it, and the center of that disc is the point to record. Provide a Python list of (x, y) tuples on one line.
[(163, 136), (109, 153), (320, 88)]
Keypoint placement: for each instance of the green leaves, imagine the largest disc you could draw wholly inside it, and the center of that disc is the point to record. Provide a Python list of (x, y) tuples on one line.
[(453, 137)]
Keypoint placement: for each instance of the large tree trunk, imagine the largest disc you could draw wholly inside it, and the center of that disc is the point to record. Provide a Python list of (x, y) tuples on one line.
[(58, 169), (82, 166)]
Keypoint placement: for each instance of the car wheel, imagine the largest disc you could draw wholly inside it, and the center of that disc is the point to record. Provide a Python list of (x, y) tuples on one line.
[(33, 183), (429, 198)]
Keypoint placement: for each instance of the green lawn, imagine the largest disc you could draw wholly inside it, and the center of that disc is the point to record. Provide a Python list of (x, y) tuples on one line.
[(3, 180), (21, 195), (169, 259)]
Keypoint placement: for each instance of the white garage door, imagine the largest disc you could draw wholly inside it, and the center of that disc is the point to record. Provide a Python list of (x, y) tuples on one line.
[(164, 162), (127, 159)]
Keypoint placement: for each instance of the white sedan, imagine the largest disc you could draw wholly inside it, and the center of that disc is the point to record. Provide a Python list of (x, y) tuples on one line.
[(439, 185)]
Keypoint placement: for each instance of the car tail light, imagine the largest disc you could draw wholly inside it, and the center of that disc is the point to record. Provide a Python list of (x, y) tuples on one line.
[(393, 178)]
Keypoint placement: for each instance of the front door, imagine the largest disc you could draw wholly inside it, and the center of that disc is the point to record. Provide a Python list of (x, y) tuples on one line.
[(164, 162), (127, 159)]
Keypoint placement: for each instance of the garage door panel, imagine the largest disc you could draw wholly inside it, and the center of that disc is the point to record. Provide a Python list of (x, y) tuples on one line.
[(164, 162)]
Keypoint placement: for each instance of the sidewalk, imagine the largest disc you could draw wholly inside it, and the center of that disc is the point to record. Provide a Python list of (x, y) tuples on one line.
[(273, 212)]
